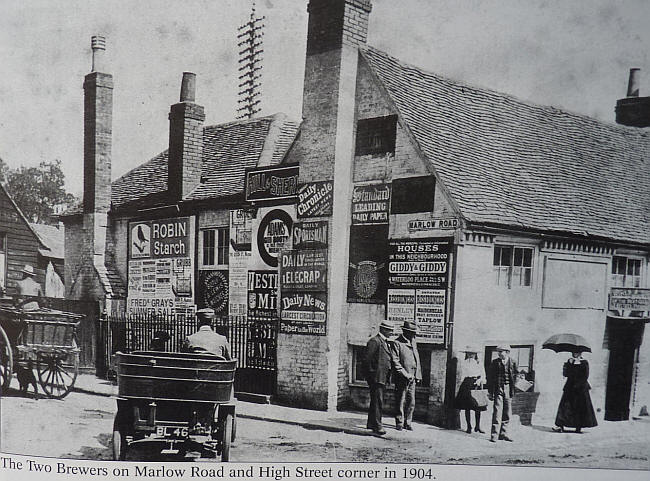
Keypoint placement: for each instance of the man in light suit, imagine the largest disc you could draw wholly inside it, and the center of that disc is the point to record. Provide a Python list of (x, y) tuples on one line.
[(378, 364), (408, 373), (205, 340), (502, 375)]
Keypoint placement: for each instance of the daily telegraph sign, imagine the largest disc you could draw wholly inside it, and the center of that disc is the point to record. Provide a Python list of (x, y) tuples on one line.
[(271, 184)]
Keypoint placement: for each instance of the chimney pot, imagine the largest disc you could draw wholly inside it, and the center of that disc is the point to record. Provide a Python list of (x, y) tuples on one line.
[(633, 83), (188, 87), (98, 45)]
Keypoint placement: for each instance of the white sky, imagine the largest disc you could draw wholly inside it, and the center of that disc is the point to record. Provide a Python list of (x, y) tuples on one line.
[(572, 54)]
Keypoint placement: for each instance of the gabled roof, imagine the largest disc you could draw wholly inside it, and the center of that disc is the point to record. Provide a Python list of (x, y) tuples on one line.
[(228, 150), (511, 163), (52, 237), (20, 214)]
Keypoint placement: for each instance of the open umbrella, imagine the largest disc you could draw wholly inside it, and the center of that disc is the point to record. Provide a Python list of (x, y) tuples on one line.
[(567, 343)]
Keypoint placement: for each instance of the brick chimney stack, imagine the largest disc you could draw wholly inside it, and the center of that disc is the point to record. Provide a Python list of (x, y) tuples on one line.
[(98, 122), (333, 23), (633, 111), (185, 141)]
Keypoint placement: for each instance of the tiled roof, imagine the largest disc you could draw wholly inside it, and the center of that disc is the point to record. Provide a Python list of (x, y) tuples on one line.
[(228, 149), (52, 238), (511, 163)]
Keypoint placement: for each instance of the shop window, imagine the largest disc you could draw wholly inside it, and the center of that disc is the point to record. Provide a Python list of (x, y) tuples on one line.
[(513, 266), (359, 352), (376, 136), (522, 354), (626, 272), (3, 261), (412, 194), (214, 246)]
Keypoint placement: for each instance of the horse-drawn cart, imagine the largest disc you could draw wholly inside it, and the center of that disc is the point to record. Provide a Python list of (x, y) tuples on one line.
[(44, 338), (183, 402)]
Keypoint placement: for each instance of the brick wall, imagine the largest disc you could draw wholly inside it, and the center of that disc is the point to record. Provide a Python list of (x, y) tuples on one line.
[(185, 148)]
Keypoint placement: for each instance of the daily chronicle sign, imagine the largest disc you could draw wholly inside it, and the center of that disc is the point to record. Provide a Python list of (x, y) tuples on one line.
[(161, 273)]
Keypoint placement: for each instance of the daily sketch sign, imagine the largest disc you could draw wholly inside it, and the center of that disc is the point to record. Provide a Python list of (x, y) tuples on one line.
[(161, 273)]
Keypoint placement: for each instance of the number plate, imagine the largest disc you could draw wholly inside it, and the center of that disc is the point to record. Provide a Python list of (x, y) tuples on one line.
[(172, 432)]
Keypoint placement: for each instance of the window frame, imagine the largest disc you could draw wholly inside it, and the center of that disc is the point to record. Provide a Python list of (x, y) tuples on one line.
[(491, 353), (614, 276), (220, 233), (510, 269)]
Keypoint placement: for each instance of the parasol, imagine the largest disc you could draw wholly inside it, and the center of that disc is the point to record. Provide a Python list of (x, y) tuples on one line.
[(567, 343)]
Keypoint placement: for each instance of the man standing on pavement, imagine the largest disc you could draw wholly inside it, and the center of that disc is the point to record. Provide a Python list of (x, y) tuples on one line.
[(378, 364), (408, 374), (502, 374), (205, 340)]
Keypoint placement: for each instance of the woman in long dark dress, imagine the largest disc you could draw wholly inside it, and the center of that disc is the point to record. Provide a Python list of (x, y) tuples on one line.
[(575, 409)]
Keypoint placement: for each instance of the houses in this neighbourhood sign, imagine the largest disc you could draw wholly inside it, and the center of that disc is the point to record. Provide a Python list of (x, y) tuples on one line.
[(160, 266)]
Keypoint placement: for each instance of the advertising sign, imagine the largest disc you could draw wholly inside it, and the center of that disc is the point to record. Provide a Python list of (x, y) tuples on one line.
[(370, 204), (263, 294), (239, 255), (367, 269), (400, 305), (271, 184), (418, 262), (160, 268), (430, 311), (303, 270), (214, 291), (272, 231), (310, 235), (448, 223), (303, 313), (315, 199), (629, 299)]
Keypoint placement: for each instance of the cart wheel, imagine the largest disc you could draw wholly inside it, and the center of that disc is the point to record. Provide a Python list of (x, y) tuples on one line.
[(227, 437), (234, 428), (57, 373), (6, 361), (119, 442)]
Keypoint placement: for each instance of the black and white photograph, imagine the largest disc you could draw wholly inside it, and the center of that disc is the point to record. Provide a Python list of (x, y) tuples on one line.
[(344, 239)]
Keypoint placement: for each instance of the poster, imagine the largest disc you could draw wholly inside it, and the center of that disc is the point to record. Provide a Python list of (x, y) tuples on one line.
[(214, 291), (419, 262), (160, 267), (303, 313), (400, 306), (370, 204), (367, 270), (430, 312), (271, 233), (239, 256), (272, 184), (315, 199), (263, 294), (303, 270), (310, 235)]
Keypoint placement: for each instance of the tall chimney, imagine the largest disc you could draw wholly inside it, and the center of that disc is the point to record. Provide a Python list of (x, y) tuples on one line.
[(98, 121), (185, 141), (633, 111)]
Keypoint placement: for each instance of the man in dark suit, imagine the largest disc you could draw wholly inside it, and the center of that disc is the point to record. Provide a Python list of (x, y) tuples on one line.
[(378, 364), (408, 373), (502, 374)]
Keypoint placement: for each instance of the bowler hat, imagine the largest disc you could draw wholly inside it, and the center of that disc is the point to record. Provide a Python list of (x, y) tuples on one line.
[(386, 325), (409, 326), (29, 270), (205, 312), (503, 347)]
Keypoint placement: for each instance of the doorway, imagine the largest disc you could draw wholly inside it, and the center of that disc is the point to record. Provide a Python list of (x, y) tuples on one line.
[(624, 338)]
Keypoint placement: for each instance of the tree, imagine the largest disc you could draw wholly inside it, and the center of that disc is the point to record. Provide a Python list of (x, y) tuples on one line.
[(39, 191)]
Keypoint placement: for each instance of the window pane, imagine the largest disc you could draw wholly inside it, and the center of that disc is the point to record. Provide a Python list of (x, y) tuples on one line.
[(528, 258), (208, 247), (497, 256), (2, 242), (637, 267), (519, 257), (506, 256), (527, 276)]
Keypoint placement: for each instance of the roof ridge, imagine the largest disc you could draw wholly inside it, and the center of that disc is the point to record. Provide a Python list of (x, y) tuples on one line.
[(527, 103)]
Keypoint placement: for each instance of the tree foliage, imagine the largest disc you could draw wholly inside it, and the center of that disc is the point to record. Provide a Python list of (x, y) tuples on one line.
[(39, 191)]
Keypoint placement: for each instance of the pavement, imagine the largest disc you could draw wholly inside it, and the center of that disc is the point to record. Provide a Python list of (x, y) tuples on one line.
[(528, 439)]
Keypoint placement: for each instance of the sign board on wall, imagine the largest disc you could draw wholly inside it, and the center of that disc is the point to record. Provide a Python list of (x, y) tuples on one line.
[(160, 266), (303, 313), (418, 262), (214, 291), (239, 255), (272, 229), (447, 223), (303, 270), (315, 199), (271, 184), (370, 204), (367, 268), (629, 299), (310, 235), (263, 294)]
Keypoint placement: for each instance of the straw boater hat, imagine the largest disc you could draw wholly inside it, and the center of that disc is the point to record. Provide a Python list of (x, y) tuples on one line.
[(409, 326), (386, 325), (29, 270), (503, 347)]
